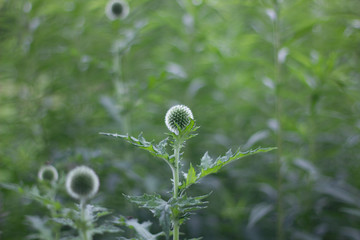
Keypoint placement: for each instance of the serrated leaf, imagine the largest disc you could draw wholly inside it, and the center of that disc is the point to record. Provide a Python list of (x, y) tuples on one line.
[(158, 150), (95, 212), (206, 161), (209, 166), (190, 176), (187, 133), (182, 206), (142, 229), (159, 207)]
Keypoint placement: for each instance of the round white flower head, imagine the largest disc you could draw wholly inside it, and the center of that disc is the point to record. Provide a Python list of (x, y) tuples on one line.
[(117, 9), (82, 183), (48, 173), (178, 115)]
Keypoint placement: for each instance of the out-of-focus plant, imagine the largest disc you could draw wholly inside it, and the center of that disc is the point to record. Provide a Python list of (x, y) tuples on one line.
[(172, 213), (45, 194), (82, 183)]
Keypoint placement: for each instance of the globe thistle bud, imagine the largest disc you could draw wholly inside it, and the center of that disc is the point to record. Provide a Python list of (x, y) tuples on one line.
[(178, 115), (82, 183), (117, 9), (48, 173)]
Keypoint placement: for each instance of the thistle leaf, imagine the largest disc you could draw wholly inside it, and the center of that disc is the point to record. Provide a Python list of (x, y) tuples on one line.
[(209, 166), (206, 161), (141, 229), (187, 133), (182, 206), (160, 208), (190, 176), (158, 150)]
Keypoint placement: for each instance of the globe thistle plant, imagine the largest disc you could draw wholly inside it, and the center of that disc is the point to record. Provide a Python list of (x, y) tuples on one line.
[(117, 9), (180, 121), (82, 183), (48, 173), (178, 117)]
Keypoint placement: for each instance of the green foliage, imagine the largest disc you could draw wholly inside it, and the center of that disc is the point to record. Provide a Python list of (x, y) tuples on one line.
[(141, 229), (160, 208), (67, 72), (209, 166), (176, 210), (79, 220), (45, 196), (41, 226), (157, 150)]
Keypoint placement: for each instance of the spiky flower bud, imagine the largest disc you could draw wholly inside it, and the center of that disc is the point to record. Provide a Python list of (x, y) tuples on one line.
[(82, 183), (178, 115), (48, 173), (117, 9)]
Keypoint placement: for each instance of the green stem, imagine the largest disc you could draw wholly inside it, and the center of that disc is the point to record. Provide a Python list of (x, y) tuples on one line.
[(53, 213), (176, 231), (177, 147), (56, 226), (85, 235)]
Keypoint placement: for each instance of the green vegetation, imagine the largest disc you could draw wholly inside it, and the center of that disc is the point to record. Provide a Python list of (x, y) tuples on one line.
[(255, 73)]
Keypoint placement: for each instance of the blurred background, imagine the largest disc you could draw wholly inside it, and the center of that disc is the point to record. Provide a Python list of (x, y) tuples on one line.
[(254, 73)]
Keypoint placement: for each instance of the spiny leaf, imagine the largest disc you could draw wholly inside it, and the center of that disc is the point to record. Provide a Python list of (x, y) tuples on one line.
[(187, 133), (229, 157), (209, 165), (141, 229), (190, 176), (158, 150), (94, 212), (206, 161), (182, 206), (159, 207)]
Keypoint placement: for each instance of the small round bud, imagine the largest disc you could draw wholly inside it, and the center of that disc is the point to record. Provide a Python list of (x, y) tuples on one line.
[(48, 173), (82, 183), (178, 115), (117, 9)]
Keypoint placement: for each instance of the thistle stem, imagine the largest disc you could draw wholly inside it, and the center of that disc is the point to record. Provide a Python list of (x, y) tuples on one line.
[(177, 147), (83, 231), (176, 170)]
